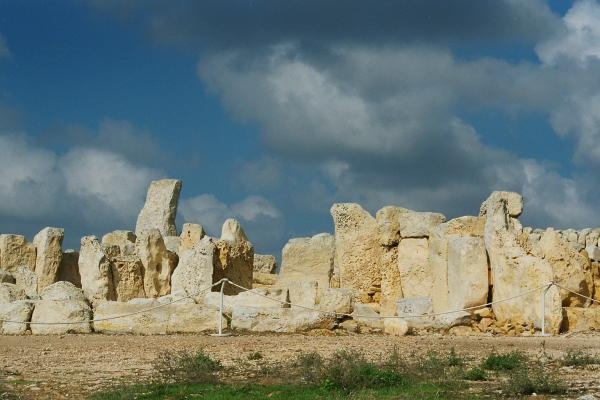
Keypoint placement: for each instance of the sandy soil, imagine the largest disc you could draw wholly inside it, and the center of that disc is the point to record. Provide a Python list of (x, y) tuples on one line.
[(72, 366)]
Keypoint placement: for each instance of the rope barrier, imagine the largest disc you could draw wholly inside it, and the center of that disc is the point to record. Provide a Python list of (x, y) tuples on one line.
[(117, 316), (575, 293), (386, 317)]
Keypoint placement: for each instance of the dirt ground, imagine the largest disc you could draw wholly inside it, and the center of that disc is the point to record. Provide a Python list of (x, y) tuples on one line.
[(73, 366)]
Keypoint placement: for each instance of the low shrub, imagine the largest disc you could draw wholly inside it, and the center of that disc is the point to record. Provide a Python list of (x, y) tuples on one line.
[(526, 381), (577, 358), (504, 362), (187, 367)]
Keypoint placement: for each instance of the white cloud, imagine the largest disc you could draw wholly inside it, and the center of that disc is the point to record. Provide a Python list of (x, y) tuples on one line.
[(263, 173), (580, 40), (254, 207), (206, 210)]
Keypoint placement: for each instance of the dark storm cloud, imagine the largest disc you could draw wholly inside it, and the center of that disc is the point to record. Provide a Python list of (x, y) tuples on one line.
[(245, 23)]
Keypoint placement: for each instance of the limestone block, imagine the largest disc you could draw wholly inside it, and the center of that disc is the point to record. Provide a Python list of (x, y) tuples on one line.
[(50, 311), (16, 251), (6, 277), (279, 320), (438, 260), (592, 238), (153, 322), (593, 252), (10, 292), (395, 326), (95, 271), (172, 243), (416, 312), (419, 224), (263, 280), (388, 222), (357, 250), (572, 269), (256, 298), (192, 318), (596, 279), (467, 272), (336, 300), (27, 280), (62, 291), (415, 269), (19, 313), (233, 258), (128, 277), (124, 240), (68, 270), (365, 315), (301, 293), (309, 259), (158, 262), (514, 272), (160, 208), (194, 273), (190, 235), (48, 244), (578, 319), (582, 236), (266, 264)]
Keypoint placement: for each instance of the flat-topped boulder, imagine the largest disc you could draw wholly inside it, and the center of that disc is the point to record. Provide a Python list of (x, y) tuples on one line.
[(15, 251), (309, 259), (160, 208)]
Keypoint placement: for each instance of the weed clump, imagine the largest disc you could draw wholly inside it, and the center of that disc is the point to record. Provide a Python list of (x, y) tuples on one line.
[(504, 362), (577, 358), (187, 367), (526, 381)]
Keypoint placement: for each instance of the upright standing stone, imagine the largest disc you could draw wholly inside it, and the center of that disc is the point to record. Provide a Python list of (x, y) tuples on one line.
[(190, 235), (194, 273), (308, 259), (514, 271), (48, 244), (160, 208), (158, 263), (388, 221), (419, 224), (95, 271), (234, 256), (415, 270), (467, 272), (357, 251), (16, 251)]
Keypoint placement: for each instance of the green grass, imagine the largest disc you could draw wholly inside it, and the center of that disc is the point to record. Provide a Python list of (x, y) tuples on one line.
[(504, 362)]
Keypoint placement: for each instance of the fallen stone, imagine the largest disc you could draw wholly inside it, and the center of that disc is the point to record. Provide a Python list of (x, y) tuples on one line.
[(336, 300), (48, 244), (10, 292), (263, 280), (27, 280), (364, 315), (115, 317), (160, 208), (95, 271), (62, 291), (395, 326), (279, 320), (192, 318), (264, 264), (256, 298), (18, 313), (416, 312), (16, 251), (419, 224), (48, 312)]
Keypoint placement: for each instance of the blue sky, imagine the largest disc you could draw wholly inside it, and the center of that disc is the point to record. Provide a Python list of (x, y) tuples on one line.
[(271, 111)]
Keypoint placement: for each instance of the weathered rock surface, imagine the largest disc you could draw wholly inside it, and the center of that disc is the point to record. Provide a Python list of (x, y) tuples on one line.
[(395, 326), (260, 280), (365, 315), (233, 257), (68, 270), (415, 269), (48, 244), (75, 312), (419, 224), (124, 240), (257, 298), (194, 273), (62, 291), (160, 208), (128, 277), (357, 250), (265, 264), (95, 271), (27, 280), (301, 293), (172, 243), (572, 269), (416, 312), (158, 262), (10, 292), (388, 222), (467, 272), (6, 277), (514, 272), (16, 251), (336, 300), (17, 314), (190, 235), (578, 319), (279, 319), (309, 259)]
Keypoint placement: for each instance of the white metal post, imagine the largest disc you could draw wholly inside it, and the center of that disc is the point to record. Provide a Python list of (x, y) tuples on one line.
[(220, 315)]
